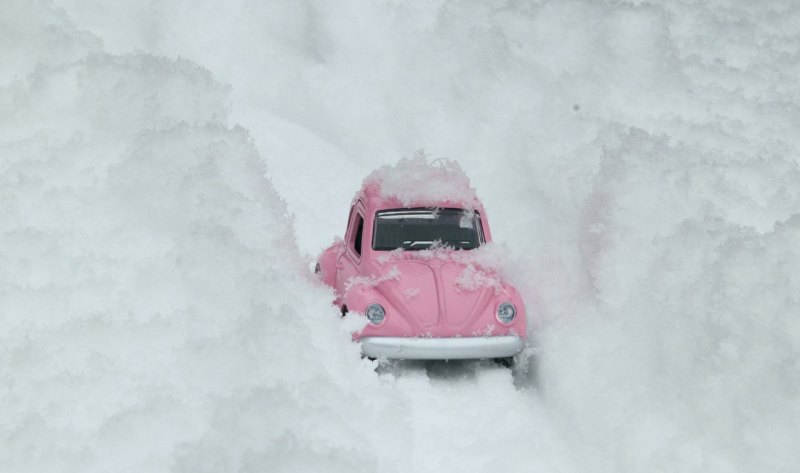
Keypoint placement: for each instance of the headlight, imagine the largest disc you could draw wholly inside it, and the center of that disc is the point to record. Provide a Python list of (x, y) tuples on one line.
[(375, 313), (506, 312)]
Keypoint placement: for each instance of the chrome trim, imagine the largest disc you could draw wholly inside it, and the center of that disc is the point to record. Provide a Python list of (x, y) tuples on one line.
[(454, 348)]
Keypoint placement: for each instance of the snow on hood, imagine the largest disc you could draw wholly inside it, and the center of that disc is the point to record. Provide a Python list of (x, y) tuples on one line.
[(485, 266), (490, 257)]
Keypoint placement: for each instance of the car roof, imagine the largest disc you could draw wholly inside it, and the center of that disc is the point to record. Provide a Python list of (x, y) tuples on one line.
[(375, 201), (417, 183)]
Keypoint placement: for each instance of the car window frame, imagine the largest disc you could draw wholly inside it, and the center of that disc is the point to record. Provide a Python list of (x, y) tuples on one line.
[(358, 211), (481, 232), (349, 220)]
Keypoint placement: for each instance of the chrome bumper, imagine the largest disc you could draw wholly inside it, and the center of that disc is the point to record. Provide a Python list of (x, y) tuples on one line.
[(456, 348)]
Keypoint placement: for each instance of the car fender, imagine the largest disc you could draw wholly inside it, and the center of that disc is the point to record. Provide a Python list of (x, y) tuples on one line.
[(359, 297), (326, 263)]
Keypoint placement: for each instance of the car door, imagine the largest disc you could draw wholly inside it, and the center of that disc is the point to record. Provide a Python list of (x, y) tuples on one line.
[(349, 262)]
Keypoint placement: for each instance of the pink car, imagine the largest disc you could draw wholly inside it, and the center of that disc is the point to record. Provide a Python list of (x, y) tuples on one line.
[(417, 264)]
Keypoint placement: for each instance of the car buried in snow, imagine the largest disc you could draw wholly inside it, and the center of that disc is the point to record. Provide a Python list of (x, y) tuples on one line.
[(419, 266)]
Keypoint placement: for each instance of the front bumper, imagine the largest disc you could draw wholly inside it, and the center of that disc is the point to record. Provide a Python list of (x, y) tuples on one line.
[(455, 348)]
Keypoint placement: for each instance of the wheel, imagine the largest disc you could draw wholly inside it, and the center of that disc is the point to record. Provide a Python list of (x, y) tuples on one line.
[(507, 361)]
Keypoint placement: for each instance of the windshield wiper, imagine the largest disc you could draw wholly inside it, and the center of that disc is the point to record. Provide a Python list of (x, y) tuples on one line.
[(410, 244)]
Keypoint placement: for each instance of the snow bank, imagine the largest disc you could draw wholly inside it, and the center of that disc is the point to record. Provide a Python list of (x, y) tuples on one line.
[(640, 160), (155, 314), (687, 336), (151, 296)]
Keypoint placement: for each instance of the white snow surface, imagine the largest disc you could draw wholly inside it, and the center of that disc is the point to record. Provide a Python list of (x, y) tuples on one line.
[(168, 170), (422, 182)]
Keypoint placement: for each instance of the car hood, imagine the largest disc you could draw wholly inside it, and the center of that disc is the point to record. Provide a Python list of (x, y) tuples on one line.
[(435, 295)]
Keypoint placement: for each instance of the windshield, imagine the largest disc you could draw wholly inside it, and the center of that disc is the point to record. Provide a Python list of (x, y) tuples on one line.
[(418, 229)]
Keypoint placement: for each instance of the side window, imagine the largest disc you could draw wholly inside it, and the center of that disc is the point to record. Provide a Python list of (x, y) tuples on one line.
[(359, 234)]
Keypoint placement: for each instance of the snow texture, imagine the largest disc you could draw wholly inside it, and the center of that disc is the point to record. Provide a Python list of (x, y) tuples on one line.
[(489, 256), (419, 183), (391, 274), (472, 278), (168, 168)]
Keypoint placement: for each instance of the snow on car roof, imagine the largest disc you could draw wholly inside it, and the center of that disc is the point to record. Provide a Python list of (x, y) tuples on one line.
[(418, 182)]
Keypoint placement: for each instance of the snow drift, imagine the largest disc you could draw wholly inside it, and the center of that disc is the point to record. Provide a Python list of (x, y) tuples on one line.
[(149, 280), (639, 159), (156, 315)]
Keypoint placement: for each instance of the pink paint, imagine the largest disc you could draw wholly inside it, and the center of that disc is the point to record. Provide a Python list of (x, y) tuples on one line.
[(452, 296)]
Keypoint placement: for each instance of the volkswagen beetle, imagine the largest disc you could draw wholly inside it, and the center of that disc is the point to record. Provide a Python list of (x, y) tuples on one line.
[(414, 263)]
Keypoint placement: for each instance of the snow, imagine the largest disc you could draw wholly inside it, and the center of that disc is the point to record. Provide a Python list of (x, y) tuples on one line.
[(391, 274), (419, 182), (168, 170), (472, 278)]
